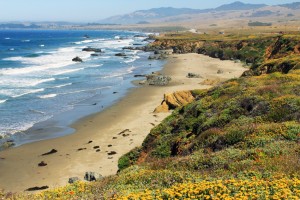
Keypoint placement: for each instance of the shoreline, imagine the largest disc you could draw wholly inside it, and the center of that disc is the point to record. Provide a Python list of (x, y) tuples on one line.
[(77, 152)]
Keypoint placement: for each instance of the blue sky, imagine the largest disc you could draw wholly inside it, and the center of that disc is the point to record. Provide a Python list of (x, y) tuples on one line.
[(93, 10)]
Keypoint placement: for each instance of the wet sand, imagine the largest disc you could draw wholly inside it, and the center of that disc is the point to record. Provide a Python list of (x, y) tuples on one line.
[(78, 153)]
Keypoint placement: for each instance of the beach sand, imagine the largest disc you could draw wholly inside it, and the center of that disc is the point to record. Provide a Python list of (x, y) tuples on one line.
[(77, 153)]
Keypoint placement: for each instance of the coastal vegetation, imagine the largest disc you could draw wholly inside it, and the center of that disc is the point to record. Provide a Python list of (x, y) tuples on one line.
[(237, 140), (264, 53)]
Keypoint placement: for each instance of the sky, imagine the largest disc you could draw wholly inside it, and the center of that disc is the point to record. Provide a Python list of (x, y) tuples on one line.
[(93, 10)]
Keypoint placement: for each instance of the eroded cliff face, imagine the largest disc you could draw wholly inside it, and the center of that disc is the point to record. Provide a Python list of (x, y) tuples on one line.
[(179, 46), (174, 100), (264, 55)]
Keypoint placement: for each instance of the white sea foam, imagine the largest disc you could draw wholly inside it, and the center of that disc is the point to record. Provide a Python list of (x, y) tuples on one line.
[(3, 101), (94, 66), (11, 49), (87, 90), (23, 82), (67, 71), (130, 69), (25, 40), (37, 111), (42, 45), (42, 64), (7, 38), (63, 85), (27, 91), (115, 44), (132, 59), (63, 78), (48, 96)]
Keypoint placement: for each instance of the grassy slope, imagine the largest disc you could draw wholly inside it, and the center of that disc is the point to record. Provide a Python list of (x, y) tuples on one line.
[(237, 139)]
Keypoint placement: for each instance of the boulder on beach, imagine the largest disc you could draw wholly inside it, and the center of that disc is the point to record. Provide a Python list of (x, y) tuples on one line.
[(220, 71), (92, 176), (77, 59), (73, 180), (158, 80), (193, 75), (37, 188)]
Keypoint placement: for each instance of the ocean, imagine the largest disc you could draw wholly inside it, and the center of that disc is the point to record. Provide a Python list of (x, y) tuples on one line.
[(42, 91)]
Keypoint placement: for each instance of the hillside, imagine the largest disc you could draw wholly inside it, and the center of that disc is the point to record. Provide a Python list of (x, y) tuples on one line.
[(176, 15), (159, 13)]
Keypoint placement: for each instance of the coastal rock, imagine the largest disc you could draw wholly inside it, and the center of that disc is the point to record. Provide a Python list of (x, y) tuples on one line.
[(37, 188), (42, 164), (77, 59), (164, 52), (193, 75), (174, 100), (157, 80), (162, 108), (158, 57), (7, 144), (92, 176), (111, 153), (50, 152), (73, 180), (95, 54), (90, 49), (220, 71), (139, 75), (120, 54)]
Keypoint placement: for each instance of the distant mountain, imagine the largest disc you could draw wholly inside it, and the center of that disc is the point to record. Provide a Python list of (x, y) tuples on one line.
[(167, 14), (18, 26), (294, 6), (239, 6), (151, 14)]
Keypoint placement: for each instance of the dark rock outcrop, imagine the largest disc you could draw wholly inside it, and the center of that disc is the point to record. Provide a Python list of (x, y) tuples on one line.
[(73, 180), (92, 176), (37, 188), (77, 59), (42, 164), (157, 80), (50, 152), (90, 49), (193, 75), (120, 54)]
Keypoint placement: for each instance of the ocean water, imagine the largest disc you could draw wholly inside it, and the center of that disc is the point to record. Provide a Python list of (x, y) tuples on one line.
[(42, 91)]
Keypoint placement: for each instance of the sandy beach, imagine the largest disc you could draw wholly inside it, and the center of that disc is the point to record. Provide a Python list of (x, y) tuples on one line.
[(78, 153)]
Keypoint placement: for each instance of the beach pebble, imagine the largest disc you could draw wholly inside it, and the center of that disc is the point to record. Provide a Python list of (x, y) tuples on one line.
[(96, 147), (90, 142), (80, 149), (109, 145)]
